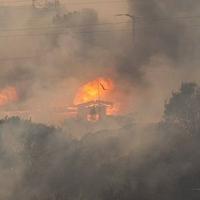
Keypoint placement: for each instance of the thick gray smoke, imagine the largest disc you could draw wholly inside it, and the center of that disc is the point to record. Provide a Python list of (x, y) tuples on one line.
[(164, 48), (163, 30), (68, 49), (53, 56), (48, 53), (156, 161)]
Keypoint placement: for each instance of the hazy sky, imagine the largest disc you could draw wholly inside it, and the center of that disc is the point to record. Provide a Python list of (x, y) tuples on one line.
[(105, 8), (164, 55)]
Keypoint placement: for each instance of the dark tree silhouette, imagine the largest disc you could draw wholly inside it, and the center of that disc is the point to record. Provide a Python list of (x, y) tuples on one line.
[(183, 108)]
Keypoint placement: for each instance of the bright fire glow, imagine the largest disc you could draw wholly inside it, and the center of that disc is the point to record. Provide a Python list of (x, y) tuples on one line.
[(102, 89), (99, 89), (8, 95)]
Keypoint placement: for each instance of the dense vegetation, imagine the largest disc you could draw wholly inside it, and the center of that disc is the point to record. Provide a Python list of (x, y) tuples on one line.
[(158, 161)]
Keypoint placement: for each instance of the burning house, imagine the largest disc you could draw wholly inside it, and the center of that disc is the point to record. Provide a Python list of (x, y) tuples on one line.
[(93, 110), (91, 102), (40, 22)]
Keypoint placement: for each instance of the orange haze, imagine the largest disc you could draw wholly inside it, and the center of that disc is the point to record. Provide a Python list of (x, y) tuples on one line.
[(99, 89), (8, 95)]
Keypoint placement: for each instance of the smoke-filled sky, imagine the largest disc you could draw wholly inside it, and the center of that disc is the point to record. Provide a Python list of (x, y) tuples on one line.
[(147, 58), (47, 55)]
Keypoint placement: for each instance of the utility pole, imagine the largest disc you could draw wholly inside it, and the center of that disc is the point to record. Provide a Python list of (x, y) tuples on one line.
[(33, 3), (134, 36), (56, 3), (133, 18)]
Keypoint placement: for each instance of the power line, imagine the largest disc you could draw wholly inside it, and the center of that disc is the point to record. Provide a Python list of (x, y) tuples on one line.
[(70, 2), (165, 18), (147, 27), (137, 18), (64, 27), (100, 24), (159, 19), (62, 33), (18, 58), (40, 56), (94, 2)]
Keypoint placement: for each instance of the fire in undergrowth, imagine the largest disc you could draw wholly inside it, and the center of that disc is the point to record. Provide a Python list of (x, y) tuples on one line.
[(96, 99), (8, 95)]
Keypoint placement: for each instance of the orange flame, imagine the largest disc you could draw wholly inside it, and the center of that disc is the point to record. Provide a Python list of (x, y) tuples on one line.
[(99, 89), (8, 95), (102, 89)]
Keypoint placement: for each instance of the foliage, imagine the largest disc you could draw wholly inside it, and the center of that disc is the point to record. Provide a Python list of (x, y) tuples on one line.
[(157, 162), (183, 108)]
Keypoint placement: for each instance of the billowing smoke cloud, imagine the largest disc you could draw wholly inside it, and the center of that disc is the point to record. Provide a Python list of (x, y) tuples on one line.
[(152, 162), (164, 49), (161, 28), (55, 57), (161, 40), (118, 160)]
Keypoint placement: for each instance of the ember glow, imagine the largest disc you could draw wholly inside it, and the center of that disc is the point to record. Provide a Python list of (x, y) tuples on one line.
[(98, 89), (8, 95)]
